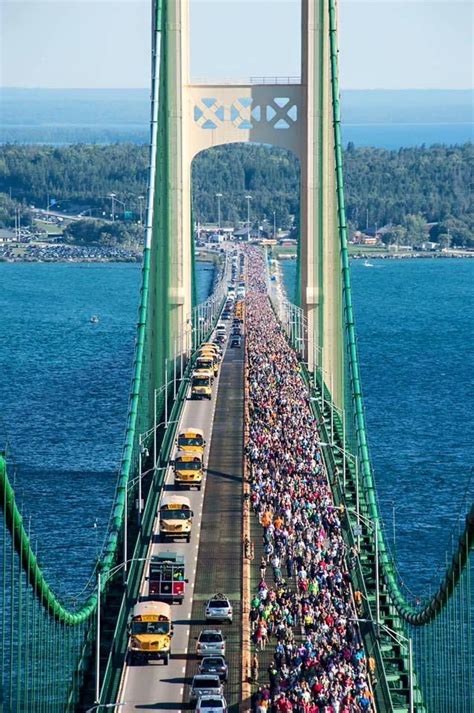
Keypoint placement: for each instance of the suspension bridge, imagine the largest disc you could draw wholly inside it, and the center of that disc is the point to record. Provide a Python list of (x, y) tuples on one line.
[(60, 657)]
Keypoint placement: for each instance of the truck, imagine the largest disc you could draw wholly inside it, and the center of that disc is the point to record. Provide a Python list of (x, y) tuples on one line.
[(150, 630), (166, 580)]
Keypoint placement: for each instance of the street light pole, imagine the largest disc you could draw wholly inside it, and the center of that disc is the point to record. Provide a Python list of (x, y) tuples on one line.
[(373, 524), (248, 199), (166, 391), (410, 664), (155, 437), (377, 575), (112, 196), (110, 573), (219, 196), (403, 641), (142, 451), (140, 203), (125, 536), (97, 642)]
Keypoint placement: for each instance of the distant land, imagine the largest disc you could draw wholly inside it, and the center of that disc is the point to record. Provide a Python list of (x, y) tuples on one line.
[(383, 118)]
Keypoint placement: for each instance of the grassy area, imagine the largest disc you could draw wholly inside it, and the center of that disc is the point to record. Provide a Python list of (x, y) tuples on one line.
[(203, 255), (367, 249), (51, 228), (279, 251)]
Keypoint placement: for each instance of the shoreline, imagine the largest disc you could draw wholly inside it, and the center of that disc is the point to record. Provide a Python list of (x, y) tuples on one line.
[(396, 256), (90, 254), (209, 256)]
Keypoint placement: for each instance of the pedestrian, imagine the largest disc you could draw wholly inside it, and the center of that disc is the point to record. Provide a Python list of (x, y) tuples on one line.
[(255, 668)]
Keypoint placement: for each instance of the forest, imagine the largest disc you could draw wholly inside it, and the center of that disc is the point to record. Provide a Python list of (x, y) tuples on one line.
[(407, 188)]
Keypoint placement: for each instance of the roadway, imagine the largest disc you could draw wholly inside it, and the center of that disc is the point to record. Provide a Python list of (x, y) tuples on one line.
[(153, 686)]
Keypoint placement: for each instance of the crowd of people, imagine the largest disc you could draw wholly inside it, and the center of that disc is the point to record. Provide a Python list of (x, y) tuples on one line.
[(303, 606)]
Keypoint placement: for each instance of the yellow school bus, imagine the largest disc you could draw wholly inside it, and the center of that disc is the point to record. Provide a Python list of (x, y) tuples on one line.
[(208, 359), (176, 518), (150, 630), (191, 439), (188, 469), (239, 310), (215, 348), (201, 384)]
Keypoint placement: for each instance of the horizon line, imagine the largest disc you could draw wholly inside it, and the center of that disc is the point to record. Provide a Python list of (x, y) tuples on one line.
[(344, 89)]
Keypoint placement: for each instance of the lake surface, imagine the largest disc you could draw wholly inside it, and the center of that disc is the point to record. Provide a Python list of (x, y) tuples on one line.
[(414, 325), (383, 118), (395, 136), (64, 386), (380, 135)]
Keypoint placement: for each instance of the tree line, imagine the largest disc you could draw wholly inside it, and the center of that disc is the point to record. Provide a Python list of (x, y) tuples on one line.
[(405, 189)]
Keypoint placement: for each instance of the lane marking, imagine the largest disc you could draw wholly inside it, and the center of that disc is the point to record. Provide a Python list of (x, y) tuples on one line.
[(193, 412)]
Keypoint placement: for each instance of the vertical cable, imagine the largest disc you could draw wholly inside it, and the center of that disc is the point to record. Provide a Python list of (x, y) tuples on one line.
[(20, 638), (12, 618), (4, 583)]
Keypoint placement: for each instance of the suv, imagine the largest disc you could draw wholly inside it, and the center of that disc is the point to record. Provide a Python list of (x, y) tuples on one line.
[(215, 665), (236, 341), (206, 684), (210, 642), (218, 608), (211, 704)]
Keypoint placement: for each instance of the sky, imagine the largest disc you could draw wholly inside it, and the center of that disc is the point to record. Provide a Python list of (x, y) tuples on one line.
[(384, 44)]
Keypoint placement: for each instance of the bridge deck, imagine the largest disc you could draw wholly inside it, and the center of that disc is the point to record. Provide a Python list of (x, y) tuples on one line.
[(217, 508), (220, 550)]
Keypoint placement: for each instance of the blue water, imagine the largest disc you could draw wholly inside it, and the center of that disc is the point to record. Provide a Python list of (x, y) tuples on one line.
[(64, 385), (395, 136), (381, 135), (414, 325)]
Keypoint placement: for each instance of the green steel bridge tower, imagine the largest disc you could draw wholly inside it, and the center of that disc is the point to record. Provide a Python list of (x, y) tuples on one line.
[(422, 649)]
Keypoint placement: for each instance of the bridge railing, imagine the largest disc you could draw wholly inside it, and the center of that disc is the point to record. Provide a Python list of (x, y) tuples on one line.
[(245, 81), (48, 642), (438, 630), (442, 623), (437, 676)]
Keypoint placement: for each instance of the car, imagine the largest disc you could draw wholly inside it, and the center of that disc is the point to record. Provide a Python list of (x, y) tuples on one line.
[(211, 704), (210, 642), (236, 342), (206, 684), (236, 331), (216, 665), (219, 608)]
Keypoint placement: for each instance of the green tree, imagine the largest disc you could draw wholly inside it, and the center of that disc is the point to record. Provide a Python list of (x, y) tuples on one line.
[(416, 229), (444, 240), (9, 209), (84, 232), (460, 234), (396, 235)]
